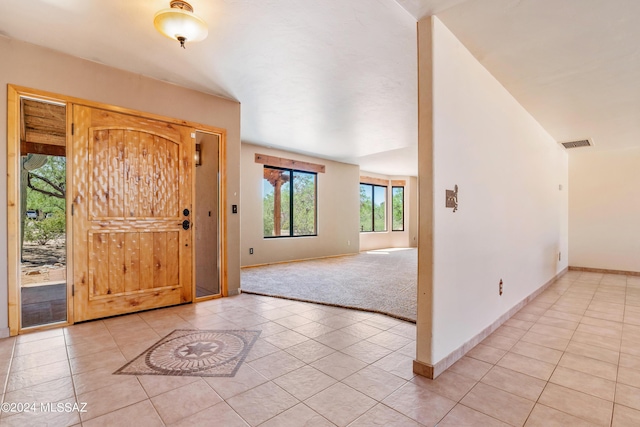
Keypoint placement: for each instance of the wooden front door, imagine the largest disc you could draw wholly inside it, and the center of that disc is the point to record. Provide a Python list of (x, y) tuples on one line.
[(131, 190)]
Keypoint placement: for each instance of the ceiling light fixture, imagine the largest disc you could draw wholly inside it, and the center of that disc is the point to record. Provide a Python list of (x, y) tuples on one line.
[(180, 23)]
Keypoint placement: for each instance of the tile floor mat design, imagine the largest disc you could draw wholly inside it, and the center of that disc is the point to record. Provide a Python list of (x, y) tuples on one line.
[(188, 352)]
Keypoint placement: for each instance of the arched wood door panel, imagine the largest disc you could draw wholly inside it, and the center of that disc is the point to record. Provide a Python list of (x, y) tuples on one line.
[(132, 181)]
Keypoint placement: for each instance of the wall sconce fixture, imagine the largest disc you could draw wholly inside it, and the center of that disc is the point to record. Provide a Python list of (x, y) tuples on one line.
[(180, 23), (198, 156)]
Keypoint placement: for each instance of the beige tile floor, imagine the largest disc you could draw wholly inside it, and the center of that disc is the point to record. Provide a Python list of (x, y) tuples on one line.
[(569, 358)]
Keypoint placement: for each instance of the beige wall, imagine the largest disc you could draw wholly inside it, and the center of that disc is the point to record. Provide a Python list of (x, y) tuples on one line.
[(35, 67), (512, 217), (338, 207), (604, 209), (395, 239)]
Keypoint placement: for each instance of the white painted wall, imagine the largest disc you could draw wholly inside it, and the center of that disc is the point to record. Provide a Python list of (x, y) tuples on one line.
[(39, 68), (337, 212), (408, 238), (511, 221), (604, 209)]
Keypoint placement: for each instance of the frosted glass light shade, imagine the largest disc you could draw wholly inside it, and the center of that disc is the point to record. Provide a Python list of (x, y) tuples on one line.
[(177, 23)]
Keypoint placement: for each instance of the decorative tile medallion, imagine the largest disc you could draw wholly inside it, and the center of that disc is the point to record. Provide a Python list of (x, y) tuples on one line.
[(188, 352)]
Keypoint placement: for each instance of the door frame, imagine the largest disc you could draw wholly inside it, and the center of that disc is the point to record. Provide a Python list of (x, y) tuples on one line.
[(222, 248), (14, 94)]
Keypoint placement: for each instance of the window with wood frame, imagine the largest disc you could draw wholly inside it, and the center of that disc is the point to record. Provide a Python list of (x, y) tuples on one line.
[(373, 207), (397, 208), (289, 196), (289, 202)]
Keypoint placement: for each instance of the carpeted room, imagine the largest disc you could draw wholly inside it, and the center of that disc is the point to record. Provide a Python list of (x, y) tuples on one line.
[(380, 281)]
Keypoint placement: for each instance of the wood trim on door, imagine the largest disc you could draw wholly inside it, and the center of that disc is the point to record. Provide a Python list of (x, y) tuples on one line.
[(13, 208), (223, 207), (222, 218), (14, 93)]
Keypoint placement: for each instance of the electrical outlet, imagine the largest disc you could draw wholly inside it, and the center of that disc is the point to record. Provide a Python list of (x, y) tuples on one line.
[(348, 242), (500, 287), (559, 256), (250, 251)]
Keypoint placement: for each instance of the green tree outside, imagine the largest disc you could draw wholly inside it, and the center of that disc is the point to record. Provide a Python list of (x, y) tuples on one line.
[(267, 208), (46, 186), (373, 207), (304, 206), (45, 230), (366, 207), (46, 194), (397, 207)]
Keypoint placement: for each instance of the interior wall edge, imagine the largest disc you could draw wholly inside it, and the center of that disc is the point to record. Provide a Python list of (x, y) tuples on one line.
[(425, 225)]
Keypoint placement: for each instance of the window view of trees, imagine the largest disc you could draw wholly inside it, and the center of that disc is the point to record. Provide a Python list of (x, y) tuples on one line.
[(46, 203), (397, 212), (304, 203), (373, 207), (275, 201), (366, 207), (289, 202)]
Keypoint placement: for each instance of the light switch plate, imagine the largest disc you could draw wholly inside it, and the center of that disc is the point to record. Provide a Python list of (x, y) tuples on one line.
[(451, 199)]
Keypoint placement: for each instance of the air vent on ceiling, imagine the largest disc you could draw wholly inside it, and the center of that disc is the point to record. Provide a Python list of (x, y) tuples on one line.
[(579, 143)]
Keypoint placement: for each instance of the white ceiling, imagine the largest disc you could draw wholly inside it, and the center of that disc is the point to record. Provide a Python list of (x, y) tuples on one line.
[(573, 64), (338, 79)]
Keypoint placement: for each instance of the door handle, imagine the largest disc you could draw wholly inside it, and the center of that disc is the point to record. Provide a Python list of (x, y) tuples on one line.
[(186, 224)]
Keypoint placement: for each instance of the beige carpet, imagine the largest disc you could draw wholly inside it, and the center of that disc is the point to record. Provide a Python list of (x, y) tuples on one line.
[(382, 281)]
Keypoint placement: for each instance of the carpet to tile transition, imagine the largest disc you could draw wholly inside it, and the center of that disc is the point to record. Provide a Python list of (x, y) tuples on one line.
[(382, 281)]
